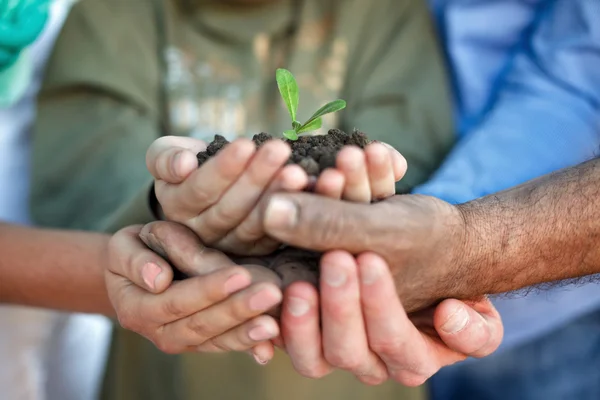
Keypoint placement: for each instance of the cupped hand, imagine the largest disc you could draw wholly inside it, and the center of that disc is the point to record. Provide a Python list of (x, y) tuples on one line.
[(221, 307), (357, 323), (218, 201)]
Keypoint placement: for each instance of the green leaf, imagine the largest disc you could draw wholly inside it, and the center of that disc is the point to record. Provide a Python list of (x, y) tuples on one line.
[(313, 126), (291, 135), (289, 90), (328, 108), (296, 125)]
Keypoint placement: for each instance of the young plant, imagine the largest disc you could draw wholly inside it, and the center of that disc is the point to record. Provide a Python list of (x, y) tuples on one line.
[(290, 94)]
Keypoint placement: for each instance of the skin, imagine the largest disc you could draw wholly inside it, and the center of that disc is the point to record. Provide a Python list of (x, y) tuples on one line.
[(66, 270), (38, 268), (218, 201), (542, 231), (368, 335), (359, 177)]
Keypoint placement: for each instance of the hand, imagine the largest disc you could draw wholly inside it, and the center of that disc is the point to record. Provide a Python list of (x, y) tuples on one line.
[(220, 308), (421, 238), (218, 201), (359, 325), (363, 176)]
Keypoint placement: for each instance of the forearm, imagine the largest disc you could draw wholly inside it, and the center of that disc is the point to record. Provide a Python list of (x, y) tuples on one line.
[(53, 269), (542, 231)]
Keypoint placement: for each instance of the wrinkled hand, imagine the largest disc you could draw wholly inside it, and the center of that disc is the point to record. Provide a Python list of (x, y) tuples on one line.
[(218, 201), (357, 323), (420, 237), (220, 308)]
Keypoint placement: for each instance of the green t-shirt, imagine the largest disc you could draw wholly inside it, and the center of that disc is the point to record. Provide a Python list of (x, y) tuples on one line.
[(125, 72)]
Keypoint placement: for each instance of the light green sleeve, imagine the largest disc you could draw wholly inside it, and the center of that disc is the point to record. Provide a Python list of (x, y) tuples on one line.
[(398, 88), (97, 116)]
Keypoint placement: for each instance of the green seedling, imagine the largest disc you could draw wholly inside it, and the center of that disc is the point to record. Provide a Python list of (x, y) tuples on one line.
[(288, 87)]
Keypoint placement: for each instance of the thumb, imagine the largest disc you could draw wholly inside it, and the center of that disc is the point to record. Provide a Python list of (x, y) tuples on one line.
[(317, 223), (473, 328)]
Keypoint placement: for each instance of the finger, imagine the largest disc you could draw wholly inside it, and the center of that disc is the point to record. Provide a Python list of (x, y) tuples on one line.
[(344, 336), (475, 331), (207, 184), (352, 163), (132, 260), (226, 315), (398, 162), (244, 337), (314, 222), (263, 352), (249, 238), (301, 331), (381, 173), (391, 335), (330, 184), (183, 248), (168, 158), (137, 309), (239, 200)]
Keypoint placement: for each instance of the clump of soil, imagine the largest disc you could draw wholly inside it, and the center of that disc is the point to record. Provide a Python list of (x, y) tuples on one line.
[(313, 153)]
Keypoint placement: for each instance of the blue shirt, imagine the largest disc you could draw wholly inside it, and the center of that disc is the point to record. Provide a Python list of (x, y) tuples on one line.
[(527, 84)]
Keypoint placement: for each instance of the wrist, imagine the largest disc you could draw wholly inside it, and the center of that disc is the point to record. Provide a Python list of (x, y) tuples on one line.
[(474, 256)]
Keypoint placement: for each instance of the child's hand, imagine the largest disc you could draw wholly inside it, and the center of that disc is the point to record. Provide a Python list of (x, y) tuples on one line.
[(217, 199), (221, 307), (363, 176)]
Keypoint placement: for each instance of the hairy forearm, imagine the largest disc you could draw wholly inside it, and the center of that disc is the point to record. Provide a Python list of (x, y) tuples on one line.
[(545, 230), (53, 269)]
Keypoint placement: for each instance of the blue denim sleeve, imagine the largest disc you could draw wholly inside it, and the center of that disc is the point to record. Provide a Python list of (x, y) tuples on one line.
[(546, 111)]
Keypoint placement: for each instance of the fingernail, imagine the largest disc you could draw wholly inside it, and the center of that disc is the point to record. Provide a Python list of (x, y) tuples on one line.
[(236, 282), (281, 213), (297, 306), (333, 275), (457, 320), (174, 163), (264, 300), (369, 274), (259, 360), (150, 272), (261, 333)]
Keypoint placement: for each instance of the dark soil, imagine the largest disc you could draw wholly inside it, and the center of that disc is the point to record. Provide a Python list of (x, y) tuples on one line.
[(313, 153)]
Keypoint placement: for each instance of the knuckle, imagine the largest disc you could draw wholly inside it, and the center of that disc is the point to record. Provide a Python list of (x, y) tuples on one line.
[(173, 309), (348, 362), (166, 347), (203, 197), (218, 345), (388, 346), (317, 372), (372, 380), (250, 230), (222, 218), (201, 328), (410, 379), (126, 321), (239, 310)]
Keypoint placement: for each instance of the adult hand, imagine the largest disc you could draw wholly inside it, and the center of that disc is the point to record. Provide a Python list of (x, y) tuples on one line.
[(357, 323), (219, 308), (421, 238), (218, 200)]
